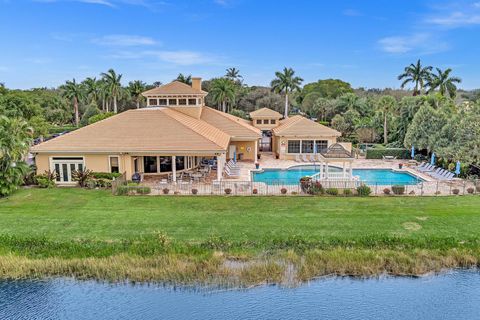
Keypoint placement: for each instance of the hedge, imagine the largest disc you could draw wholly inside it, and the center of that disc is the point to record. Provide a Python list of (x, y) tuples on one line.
[(394, 152)]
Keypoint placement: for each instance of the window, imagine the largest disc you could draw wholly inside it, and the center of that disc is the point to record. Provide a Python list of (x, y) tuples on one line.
[(273, 121), (152, 102), (180, 162), (162, 102), (150, 164), (265, 121), (64, 167), (165, 164), (322, 145), (182, 102), (293, 146), (307, 146), (259, 121), (172, 102), (192, 102), (114, 165)]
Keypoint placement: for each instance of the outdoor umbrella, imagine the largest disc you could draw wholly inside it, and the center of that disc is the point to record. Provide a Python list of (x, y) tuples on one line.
[(413, 152), (457, 168), (432, 161)]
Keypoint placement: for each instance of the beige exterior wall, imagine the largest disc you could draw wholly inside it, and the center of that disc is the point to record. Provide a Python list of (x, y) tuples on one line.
[(243, 147), (94, 162), (281, 145)]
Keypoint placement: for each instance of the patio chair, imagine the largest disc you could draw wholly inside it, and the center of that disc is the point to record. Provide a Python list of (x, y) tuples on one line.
[(319, 157), (421, 165), (434, 174), (448, 177), (427, 168), (312, 158), (442, 175), (231, 174), (304, 158), (389, 158), (297, 158)]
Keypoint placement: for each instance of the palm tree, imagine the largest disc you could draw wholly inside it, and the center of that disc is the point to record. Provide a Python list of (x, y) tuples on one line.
[(112, 80), (386, 105), (92, 89), (233, 74), (185, 79), (157, 83), (73, 91), (136, 88), (417, 75), (444, 83), (286, 82), (223, 91)]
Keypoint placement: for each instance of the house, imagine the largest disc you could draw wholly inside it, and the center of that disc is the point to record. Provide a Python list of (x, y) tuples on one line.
[(175, 132)]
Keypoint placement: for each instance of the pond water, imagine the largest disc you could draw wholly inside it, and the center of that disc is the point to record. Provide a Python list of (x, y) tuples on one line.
[(454, 295), (369, 176)]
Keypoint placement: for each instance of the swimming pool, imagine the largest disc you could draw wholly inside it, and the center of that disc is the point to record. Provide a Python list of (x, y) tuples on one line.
[(369, 176)]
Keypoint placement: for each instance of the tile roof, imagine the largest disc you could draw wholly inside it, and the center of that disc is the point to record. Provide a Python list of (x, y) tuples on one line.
[(234, 126), (300, 126), (265, 112), (143, 130), (175, 87)]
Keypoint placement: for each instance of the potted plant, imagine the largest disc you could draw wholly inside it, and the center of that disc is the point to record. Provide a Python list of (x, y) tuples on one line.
[(400, 166), (283, 191), (165, 190), (194, 191), (257, 165), (228, 191), (255, 191)]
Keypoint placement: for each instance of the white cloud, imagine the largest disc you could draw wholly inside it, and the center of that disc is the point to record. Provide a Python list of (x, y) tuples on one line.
[(456, 15), (2, 68), (175, 57), (351, 13), (121, 40), (421, 43)]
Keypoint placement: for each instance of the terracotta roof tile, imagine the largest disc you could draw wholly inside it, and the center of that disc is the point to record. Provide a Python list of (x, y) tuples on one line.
[(265, 112), (301, 126), (234, 126), (175, 87)]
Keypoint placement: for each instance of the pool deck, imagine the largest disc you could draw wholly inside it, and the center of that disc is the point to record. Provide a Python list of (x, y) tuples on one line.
[(268, 161)]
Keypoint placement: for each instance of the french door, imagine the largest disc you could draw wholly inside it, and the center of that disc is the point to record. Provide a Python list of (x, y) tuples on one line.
[(64, 167)]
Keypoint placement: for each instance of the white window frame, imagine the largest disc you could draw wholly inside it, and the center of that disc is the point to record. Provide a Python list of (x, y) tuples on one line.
[(52, 163), (110, 165)]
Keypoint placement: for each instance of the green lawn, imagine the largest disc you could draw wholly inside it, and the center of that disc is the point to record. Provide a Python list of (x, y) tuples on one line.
[(67, 213)]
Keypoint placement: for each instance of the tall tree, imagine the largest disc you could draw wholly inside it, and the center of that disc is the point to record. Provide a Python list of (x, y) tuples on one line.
[(74, 92), (444, 83), (286, 82), (92, 89), (223, 91), (233, 74), (114, 85), (136, 88), (15, 138), (416, 74), (184, 79), (386, 105)]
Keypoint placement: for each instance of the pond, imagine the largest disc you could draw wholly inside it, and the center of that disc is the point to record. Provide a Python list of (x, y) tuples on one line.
[(453, 295)]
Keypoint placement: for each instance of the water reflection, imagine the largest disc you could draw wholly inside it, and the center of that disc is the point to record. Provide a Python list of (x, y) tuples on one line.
[(454, 295)]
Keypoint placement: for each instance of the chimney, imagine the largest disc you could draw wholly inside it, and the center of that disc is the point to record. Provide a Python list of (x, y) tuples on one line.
[(197, 83)]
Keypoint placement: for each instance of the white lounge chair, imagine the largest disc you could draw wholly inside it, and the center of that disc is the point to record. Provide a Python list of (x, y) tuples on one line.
[(304, 158), (319, 157), (231, 174), (422, 165), (312, 158), (434, 174), (427, 168), (297, 158)]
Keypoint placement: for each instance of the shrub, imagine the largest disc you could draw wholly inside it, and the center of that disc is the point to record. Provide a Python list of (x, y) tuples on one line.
[(364, 190), (47, 179), (255, 191), (91, 184), (283, 191), (412, 193), (398, 189), (99, 117), (143, 190), (228, 191), (437, 193), (294, 193), (332, 191), (165, 190), (470, 190), (82, 176), (456, 191), (400, 153), (194, 191), (347, 192), (106, 175), (122, 190), (176, 192), (386, 191)]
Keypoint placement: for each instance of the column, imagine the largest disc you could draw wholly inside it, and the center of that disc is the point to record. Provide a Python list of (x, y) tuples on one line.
[(351, 171), (321, 171), (256, 151), (174, 168), (220, 164), (326, 170), (344, 170)]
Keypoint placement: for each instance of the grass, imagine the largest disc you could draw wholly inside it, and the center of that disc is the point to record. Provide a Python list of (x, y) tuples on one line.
[(90, 233)]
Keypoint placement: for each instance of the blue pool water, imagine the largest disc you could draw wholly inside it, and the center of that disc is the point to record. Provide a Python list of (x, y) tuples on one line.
[(369, 176)]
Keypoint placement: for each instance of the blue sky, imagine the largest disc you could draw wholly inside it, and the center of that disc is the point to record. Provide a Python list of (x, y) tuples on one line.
[(367, 43)]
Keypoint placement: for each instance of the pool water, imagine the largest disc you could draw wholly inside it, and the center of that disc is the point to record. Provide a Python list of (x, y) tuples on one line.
[(369, 176)]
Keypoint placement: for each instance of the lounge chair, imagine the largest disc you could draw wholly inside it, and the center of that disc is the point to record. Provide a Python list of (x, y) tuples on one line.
[(304, 158), (297, 158), (389, 158), (312, 158), (231, 174), (442, 175), (449, 176), (422, 165), (319, 157), (435, 173), (427, 168)]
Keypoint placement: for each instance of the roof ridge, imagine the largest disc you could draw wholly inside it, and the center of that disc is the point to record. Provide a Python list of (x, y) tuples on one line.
[(176, 114), (230, 116)]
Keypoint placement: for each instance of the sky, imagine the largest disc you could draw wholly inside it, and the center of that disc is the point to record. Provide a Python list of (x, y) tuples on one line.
[(367, 43)]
